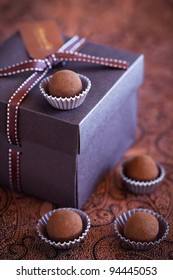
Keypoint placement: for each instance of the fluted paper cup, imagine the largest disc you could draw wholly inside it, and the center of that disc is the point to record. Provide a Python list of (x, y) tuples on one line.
[(42, 229), (142, 187), (65, 103), (122, 219)]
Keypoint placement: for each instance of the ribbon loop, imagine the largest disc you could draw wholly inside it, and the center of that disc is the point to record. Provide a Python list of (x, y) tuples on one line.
[(24, 66)]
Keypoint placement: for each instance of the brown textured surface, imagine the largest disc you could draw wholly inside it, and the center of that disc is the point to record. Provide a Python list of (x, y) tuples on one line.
[(64, 225), (65, 83), (141, 168), (141, 227), (144, 27)]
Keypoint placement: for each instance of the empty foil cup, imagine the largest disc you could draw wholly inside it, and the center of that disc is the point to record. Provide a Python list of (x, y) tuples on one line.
[(42, 231), (122, 219), (65, 103)]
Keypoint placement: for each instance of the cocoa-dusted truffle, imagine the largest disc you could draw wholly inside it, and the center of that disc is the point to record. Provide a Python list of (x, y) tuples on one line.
[(141, 227), (141, 168), (65, 83), (64, 225)]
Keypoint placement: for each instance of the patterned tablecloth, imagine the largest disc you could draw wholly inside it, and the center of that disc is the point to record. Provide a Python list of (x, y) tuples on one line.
[(144, 27)]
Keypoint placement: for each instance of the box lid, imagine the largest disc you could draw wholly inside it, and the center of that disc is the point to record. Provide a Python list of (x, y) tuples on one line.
[(41, 123)]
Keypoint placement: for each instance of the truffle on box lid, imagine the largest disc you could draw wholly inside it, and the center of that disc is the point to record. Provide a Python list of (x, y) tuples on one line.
[(63, 155), (65, 89)]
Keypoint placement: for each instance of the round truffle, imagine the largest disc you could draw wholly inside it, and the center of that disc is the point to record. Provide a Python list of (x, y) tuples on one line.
[(141, 227), (141, 168), (64, 225), (65, 83)]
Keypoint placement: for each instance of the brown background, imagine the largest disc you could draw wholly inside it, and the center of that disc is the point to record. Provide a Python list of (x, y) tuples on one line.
[(138, 26)]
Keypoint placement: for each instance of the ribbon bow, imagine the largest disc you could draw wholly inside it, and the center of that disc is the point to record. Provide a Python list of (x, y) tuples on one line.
[(68, 52), (41, 67)]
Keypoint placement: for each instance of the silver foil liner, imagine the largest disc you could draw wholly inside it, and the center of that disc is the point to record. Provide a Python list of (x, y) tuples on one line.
[(42, 229), (66, 103), (142, 187), (127, 243)]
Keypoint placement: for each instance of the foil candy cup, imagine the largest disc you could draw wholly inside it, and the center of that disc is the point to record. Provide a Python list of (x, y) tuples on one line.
[(65, 103), (42, 231), (142, 187), (127, 243)]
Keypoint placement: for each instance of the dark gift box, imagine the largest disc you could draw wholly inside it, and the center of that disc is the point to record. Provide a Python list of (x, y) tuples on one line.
[(64, 154)]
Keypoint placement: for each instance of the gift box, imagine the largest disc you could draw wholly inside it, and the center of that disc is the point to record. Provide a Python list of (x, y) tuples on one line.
[(65, 154)]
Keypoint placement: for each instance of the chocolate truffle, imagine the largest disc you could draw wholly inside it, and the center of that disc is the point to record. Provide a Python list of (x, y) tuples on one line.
[(141, 227), (64, 225), (141, 168), (65, 83)]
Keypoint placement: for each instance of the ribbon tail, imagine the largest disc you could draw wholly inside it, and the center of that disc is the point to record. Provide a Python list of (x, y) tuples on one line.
[(14, 169), (70, 56)]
